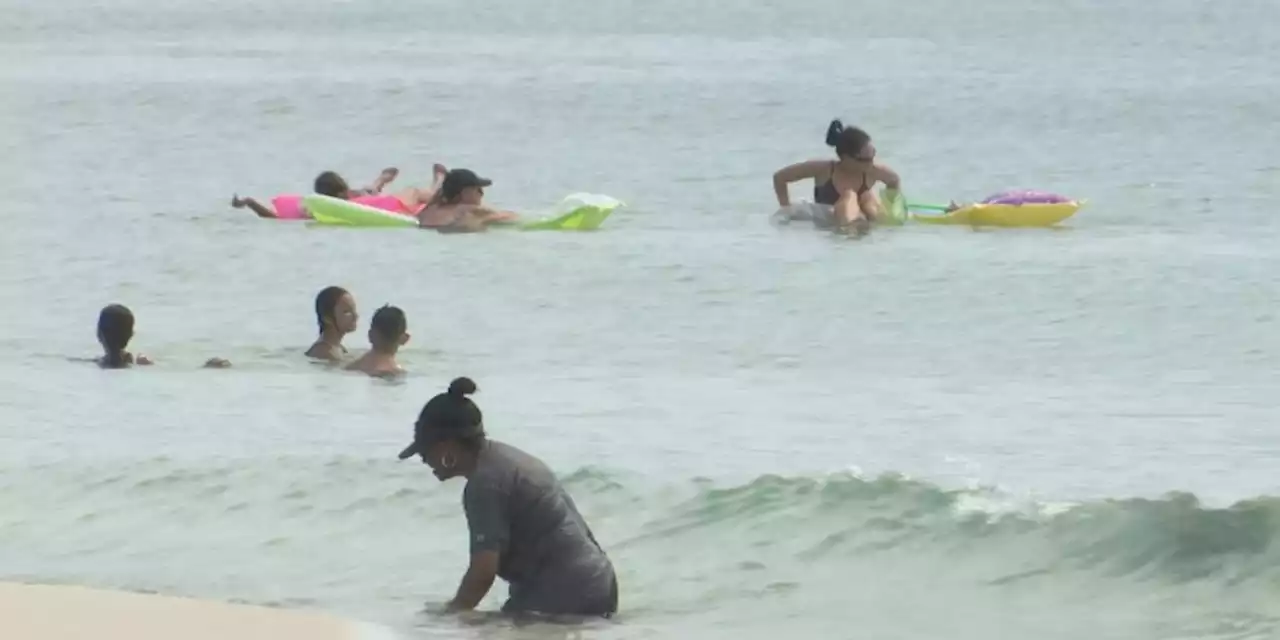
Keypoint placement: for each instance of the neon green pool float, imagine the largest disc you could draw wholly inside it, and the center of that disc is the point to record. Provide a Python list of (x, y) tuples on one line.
[(576, 212), (894, 206), (336, 211)]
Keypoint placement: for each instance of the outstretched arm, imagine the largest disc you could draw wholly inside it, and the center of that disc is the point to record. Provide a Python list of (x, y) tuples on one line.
[(889, 178), (262, 210), (476, 582), (489, 214), (794, 173), (490, 529)]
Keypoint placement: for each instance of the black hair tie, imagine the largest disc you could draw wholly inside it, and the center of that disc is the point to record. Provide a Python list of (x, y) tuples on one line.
[(834, 131)]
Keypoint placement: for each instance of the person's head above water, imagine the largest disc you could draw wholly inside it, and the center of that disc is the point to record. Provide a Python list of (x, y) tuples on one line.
[(387, 329), (449, 431), (115, 330), (336, 311), (331, 184), (463, 186), (851, 143)]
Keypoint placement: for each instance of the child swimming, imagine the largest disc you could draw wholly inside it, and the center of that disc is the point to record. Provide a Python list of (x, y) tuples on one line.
[(115, 330), (387, 333), (408, 201), (328, 183), (336, 316)]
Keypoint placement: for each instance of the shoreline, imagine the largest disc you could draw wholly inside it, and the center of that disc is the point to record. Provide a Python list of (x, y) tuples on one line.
[(67, 612)]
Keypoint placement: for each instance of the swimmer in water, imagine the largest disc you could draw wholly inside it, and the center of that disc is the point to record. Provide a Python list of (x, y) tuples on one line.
[(845, 184), (524, 526), (336, 316), (327, 183), (115, 330), (459, 206), (408, 201), (387, 333)]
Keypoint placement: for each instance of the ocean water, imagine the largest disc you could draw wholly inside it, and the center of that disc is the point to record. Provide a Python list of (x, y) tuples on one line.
[(931, 432)]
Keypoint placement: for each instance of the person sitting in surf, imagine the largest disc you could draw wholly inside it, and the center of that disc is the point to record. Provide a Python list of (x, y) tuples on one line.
[(844, 184), (115, 330), (408, 201), (459, 205), (387, 333), (336, 316)]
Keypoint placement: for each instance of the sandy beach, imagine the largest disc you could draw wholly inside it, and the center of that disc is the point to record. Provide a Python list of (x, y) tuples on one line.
[(44, 612)]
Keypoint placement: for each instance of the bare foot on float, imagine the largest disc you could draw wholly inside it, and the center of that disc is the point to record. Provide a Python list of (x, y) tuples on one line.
[(385, 178), (237, 202)]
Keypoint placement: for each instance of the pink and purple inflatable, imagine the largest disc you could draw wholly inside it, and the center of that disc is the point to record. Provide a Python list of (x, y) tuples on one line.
[(1025, 196)]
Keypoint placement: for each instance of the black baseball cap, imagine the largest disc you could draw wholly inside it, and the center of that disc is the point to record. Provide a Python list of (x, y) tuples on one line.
[(458, 179), (448, 415)]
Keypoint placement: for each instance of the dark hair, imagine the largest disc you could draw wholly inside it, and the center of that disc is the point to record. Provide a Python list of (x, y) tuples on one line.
[(326, 303), (115, 328), (331, 184), (453, 415), (848, 141), (388, 322)]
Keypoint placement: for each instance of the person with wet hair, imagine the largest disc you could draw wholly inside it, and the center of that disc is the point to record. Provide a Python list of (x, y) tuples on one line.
[(844, 184), (115, 330), (524, 527), (388, 331), (336, 316)]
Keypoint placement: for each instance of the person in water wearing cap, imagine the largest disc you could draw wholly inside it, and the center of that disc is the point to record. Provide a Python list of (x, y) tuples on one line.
[(524, 527), (329, 183), (115, 330), (844, 184), (387, 333), (459, 206), (336, 316)]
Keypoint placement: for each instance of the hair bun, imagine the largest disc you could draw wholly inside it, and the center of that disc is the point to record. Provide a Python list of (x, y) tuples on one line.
[(833, 132), (462, 387)]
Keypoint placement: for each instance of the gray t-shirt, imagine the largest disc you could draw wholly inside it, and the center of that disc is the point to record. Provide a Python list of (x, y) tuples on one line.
[(548, 555)]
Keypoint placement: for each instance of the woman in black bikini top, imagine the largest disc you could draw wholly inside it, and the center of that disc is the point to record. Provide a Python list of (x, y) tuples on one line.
[(827, 193), (856, 161)]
